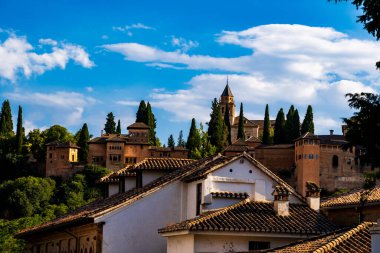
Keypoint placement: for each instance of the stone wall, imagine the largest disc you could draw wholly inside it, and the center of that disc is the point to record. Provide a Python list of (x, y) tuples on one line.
[(350, 216), (59, 161)]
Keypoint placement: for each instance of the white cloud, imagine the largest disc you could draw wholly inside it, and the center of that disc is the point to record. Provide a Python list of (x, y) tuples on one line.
[(128, 103), (105, 37), (19, 57), (64, 107), (288, 64), (135, 26), (183, 44), (89, 89)]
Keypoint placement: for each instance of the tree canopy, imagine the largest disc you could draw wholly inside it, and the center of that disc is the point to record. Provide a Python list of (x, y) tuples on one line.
[(241, 134), (266, 130), (141, 113), (118, 128), (19, 132), (308, 122), (6, 123), (84, 138), (279, 128), (110, 126), (193, 139), (171, 142), (181, 142), (217, 131)]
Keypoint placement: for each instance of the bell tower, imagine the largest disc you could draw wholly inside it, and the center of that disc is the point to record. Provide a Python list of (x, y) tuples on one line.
[(307, 159), (227, 99)]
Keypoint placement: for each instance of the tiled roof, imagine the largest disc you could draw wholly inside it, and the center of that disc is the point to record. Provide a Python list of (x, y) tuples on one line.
[(332, 139), (59, 144), (203, 172), (138, 125), (309, 136), (260, 122), (161, 164), (168, 149), (275, 146), (99, 207), (227, 92), (109, 137), (352, 198), (251, 216), (230, 195), (355, 240), (248, 123), (109, 178), (253, 139)]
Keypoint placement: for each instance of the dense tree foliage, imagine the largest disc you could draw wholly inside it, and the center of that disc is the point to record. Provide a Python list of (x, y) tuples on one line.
[(141, 112), (6, 123), (279, 128), (194, 139), (241, 134), (118, 128), (84, 138), (152, 123), (110, 126), (370, 17), (292, 125), (19, 132), (266, 130), (308, 122), (205, 148), (363, 127), (217, 131), (227, 123), (181, 142), (171, 142)]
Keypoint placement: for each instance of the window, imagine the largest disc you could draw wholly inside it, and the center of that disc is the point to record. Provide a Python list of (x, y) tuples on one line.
[(299, 157), (199, 198), (335, 161), (50, 155), (255, 245), (62, 157), (72, 157), (304, 156), (316, 157), (310, 156)]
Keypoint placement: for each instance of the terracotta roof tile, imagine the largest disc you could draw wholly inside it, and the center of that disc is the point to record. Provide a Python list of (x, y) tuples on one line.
[(230, 195), (354, 240), (251, 216), (138, 125), (352, 198), (161, 164)]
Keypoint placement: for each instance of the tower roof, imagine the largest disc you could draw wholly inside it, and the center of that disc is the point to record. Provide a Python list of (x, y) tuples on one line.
[(227, 92)]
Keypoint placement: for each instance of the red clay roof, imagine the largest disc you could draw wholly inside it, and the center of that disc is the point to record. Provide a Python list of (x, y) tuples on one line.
[(352, 198), (251, 216), (354, 240), (230, 195), (138, 125)]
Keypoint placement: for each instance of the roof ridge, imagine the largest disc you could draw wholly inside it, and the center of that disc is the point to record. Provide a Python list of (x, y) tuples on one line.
[(342, 238)]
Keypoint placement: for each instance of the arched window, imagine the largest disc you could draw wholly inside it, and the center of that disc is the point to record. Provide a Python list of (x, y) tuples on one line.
[(335, 161)]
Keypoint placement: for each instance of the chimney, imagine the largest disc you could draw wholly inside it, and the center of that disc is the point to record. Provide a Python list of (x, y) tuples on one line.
[(313, 196), (281, 200), (101, 132), (375, 237), (331, 132)]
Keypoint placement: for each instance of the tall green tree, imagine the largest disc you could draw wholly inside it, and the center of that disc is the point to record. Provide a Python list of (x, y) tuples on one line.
[(84, 138), (193, 139), (241, 134), (118, 128), (227, 123), (171, 142), (181, 141), (141, 112), (110, 126), (205, 148), (279, 128), (151, 122), (296, 126), (289, 125), (20, 132), (363, 127), (308, 122), (370, 17), (216, 127), (266, 130), (6, 123)]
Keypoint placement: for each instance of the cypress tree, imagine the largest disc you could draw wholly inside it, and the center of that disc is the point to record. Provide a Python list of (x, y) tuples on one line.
[(141, 113), (227, 123), (110, 126), (171, 143), (296, 126), (6, 123), (241, 134), (266, 130), (193, 139), (84, 138), (118, 128), (289, 125), (279, 128), (20, 131), (217, 128), (151, 122), (181, 141), (308, 123)]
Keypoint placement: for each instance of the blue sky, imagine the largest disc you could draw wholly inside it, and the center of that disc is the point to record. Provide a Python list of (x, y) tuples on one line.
[(70, 62)]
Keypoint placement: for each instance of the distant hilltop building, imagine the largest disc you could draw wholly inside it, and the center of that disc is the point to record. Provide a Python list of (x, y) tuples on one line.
[(252, 128)]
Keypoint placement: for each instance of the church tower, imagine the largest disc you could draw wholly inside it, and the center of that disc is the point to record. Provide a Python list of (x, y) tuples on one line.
[(228, 99), (307, 159)]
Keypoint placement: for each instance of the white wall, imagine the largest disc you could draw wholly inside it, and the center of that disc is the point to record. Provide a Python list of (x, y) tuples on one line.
[(129, 183), (113, 189), (134, 228), (180, 244), (224, 243), (148, 176), (192, 198), (221, 202)]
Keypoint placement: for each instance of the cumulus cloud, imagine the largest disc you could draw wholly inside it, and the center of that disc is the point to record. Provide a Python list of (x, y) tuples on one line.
[(128, 28), (19, 57), (128, 103), (288, 64)]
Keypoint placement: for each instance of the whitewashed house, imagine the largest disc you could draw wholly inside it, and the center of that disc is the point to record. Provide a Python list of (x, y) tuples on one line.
[(217, 204)]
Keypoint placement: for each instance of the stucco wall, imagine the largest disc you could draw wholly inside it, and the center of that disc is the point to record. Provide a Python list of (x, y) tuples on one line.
[(150, 175), (134, 227), (180, 244)]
